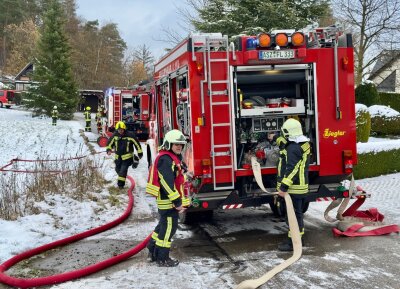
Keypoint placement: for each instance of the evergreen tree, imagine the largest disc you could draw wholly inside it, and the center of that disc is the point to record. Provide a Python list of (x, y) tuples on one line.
[(233, 17), (53, 74)]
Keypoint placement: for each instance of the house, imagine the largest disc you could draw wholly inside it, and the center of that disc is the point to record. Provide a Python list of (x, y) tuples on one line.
[(92, 98), (386, 72), (23, 79)]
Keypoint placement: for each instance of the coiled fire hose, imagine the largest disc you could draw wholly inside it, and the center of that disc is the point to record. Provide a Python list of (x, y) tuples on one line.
[(67, 276), (294, 230)]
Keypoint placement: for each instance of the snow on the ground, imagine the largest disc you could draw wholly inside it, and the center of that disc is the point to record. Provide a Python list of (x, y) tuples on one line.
[(376, 145), (27, 137)]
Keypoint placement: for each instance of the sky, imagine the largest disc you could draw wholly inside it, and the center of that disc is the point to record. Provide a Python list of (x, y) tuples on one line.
[(139, 21)]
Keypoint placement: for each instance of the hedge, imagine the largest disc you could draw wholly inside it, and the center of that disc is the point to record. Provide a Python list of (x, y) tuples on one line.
[(363, 125), (374, 164), (382, 125), (390, 99)]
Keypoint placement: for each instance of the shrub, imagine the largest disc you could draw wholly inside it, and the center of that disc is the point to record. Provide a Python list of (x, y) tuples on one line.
[(363, 123), (382, 125), (374, 164), (390, 99), (367, 94)]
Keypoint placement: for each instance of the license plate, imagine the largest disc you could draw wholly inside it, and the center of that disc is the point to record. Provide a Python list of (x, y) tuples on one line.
[(277, 54)]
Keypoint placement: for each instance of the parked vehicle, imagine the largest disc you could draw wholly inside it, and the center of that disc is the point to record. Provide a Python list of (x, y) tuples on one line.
[(226, 98), (129, 105), (7, 98)]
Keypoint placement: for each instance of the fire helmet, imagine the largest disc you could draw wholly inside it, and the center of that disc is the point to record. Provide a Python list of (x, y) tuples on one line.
[(173, 137), (88, 108), (120, 125), (291, 128), (55, 107)]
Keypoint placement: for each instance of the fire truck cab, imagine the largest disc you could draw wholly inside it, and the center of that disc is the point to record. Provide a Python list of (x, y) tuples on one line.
[(227, 97)]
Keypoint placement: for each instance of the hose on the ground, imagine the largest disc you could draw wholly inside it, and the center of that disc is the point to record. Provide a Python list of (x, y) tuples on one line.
[(294, 230), (67, 276)]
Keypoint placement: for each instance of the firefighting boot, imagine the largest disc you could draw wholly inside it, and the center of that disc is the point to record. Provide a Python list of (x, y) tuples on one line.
[(151, 257), (286, 246), (163, 259), (168, 263)]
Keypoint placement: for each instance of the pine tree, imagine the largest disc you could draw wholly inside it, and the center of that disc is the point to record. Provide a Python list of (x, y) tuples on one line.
[(234, 17), (53, 74)]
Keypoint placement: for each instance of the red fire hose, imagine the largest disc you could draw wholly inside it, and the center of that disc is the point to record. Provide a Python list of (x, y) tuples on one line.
[(63, 277)]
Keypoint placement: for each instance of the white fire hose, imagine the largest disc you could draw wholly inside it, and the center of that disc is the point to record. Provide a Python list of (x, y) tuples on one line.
[(294, 230)]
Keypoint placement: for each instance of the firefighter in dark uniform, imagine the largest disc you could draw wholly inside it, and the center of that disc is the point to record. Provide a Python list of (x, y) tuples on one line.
[(293, 168), (124, 143), (54, 115), (166, 181), (98, 118), (88, 119)]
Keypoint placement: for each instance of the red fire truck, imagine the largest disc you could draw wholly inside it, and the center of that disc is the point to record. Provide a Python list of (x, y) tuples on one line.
[(129, 105), (227, 97)]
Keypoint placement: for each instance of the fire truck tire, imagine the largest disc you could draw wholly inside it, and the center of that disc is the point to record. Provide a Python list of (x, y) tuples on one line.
[(1, 104), (102, 141)]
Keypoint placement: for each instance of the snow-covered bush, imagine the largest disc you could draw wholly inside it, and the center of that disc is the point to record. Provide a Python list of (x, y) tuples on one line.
[(384, 120), (363, 123)]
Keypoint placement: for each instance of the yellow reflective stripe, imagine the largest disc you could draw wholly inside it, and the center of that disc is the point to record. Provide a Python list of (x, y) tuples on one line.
[(135, 143), (121, 178), (287, 182), (185, 201), (298, 189), (111, 143), (294, 172), (126, 156), (152, 192), (154, 236), (172, 195), (306, 149), (166, 243)]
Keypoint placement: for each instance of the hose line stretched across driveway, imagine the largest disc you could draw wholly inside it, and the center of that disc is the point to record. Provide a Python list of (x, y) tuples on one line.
[(67, 276), (294, 230)]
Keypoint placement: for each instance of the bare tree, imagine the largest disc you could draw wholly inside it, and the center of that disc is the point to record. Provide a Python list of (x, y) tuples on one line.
[(373, 23)]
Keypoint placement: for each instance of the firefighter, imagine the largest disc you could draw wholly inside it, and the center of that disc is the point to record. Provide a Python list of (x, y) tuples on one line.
[(165, 182), (124, 143), (99, 115), (54, 115), (88, 119), (293, 167)]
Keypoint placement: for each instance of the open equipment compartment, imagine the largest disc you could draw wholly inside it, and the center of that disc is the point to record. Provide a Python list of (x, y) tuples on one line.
[(265, 96)]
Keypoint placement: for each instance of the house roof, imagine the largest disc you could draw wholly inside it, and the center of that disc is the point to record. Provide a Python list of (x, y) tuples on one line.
[(385, 60), (27, 67)]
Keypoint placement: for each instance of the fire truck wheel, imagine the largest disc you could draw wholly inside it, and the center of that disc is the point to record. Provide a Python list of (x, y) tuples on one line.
[(102, 141), (1, 104)]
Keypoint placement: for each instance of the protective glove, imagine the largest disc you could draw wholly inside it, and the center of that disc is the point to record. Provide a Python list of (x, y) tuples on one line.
[(135, 162)]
